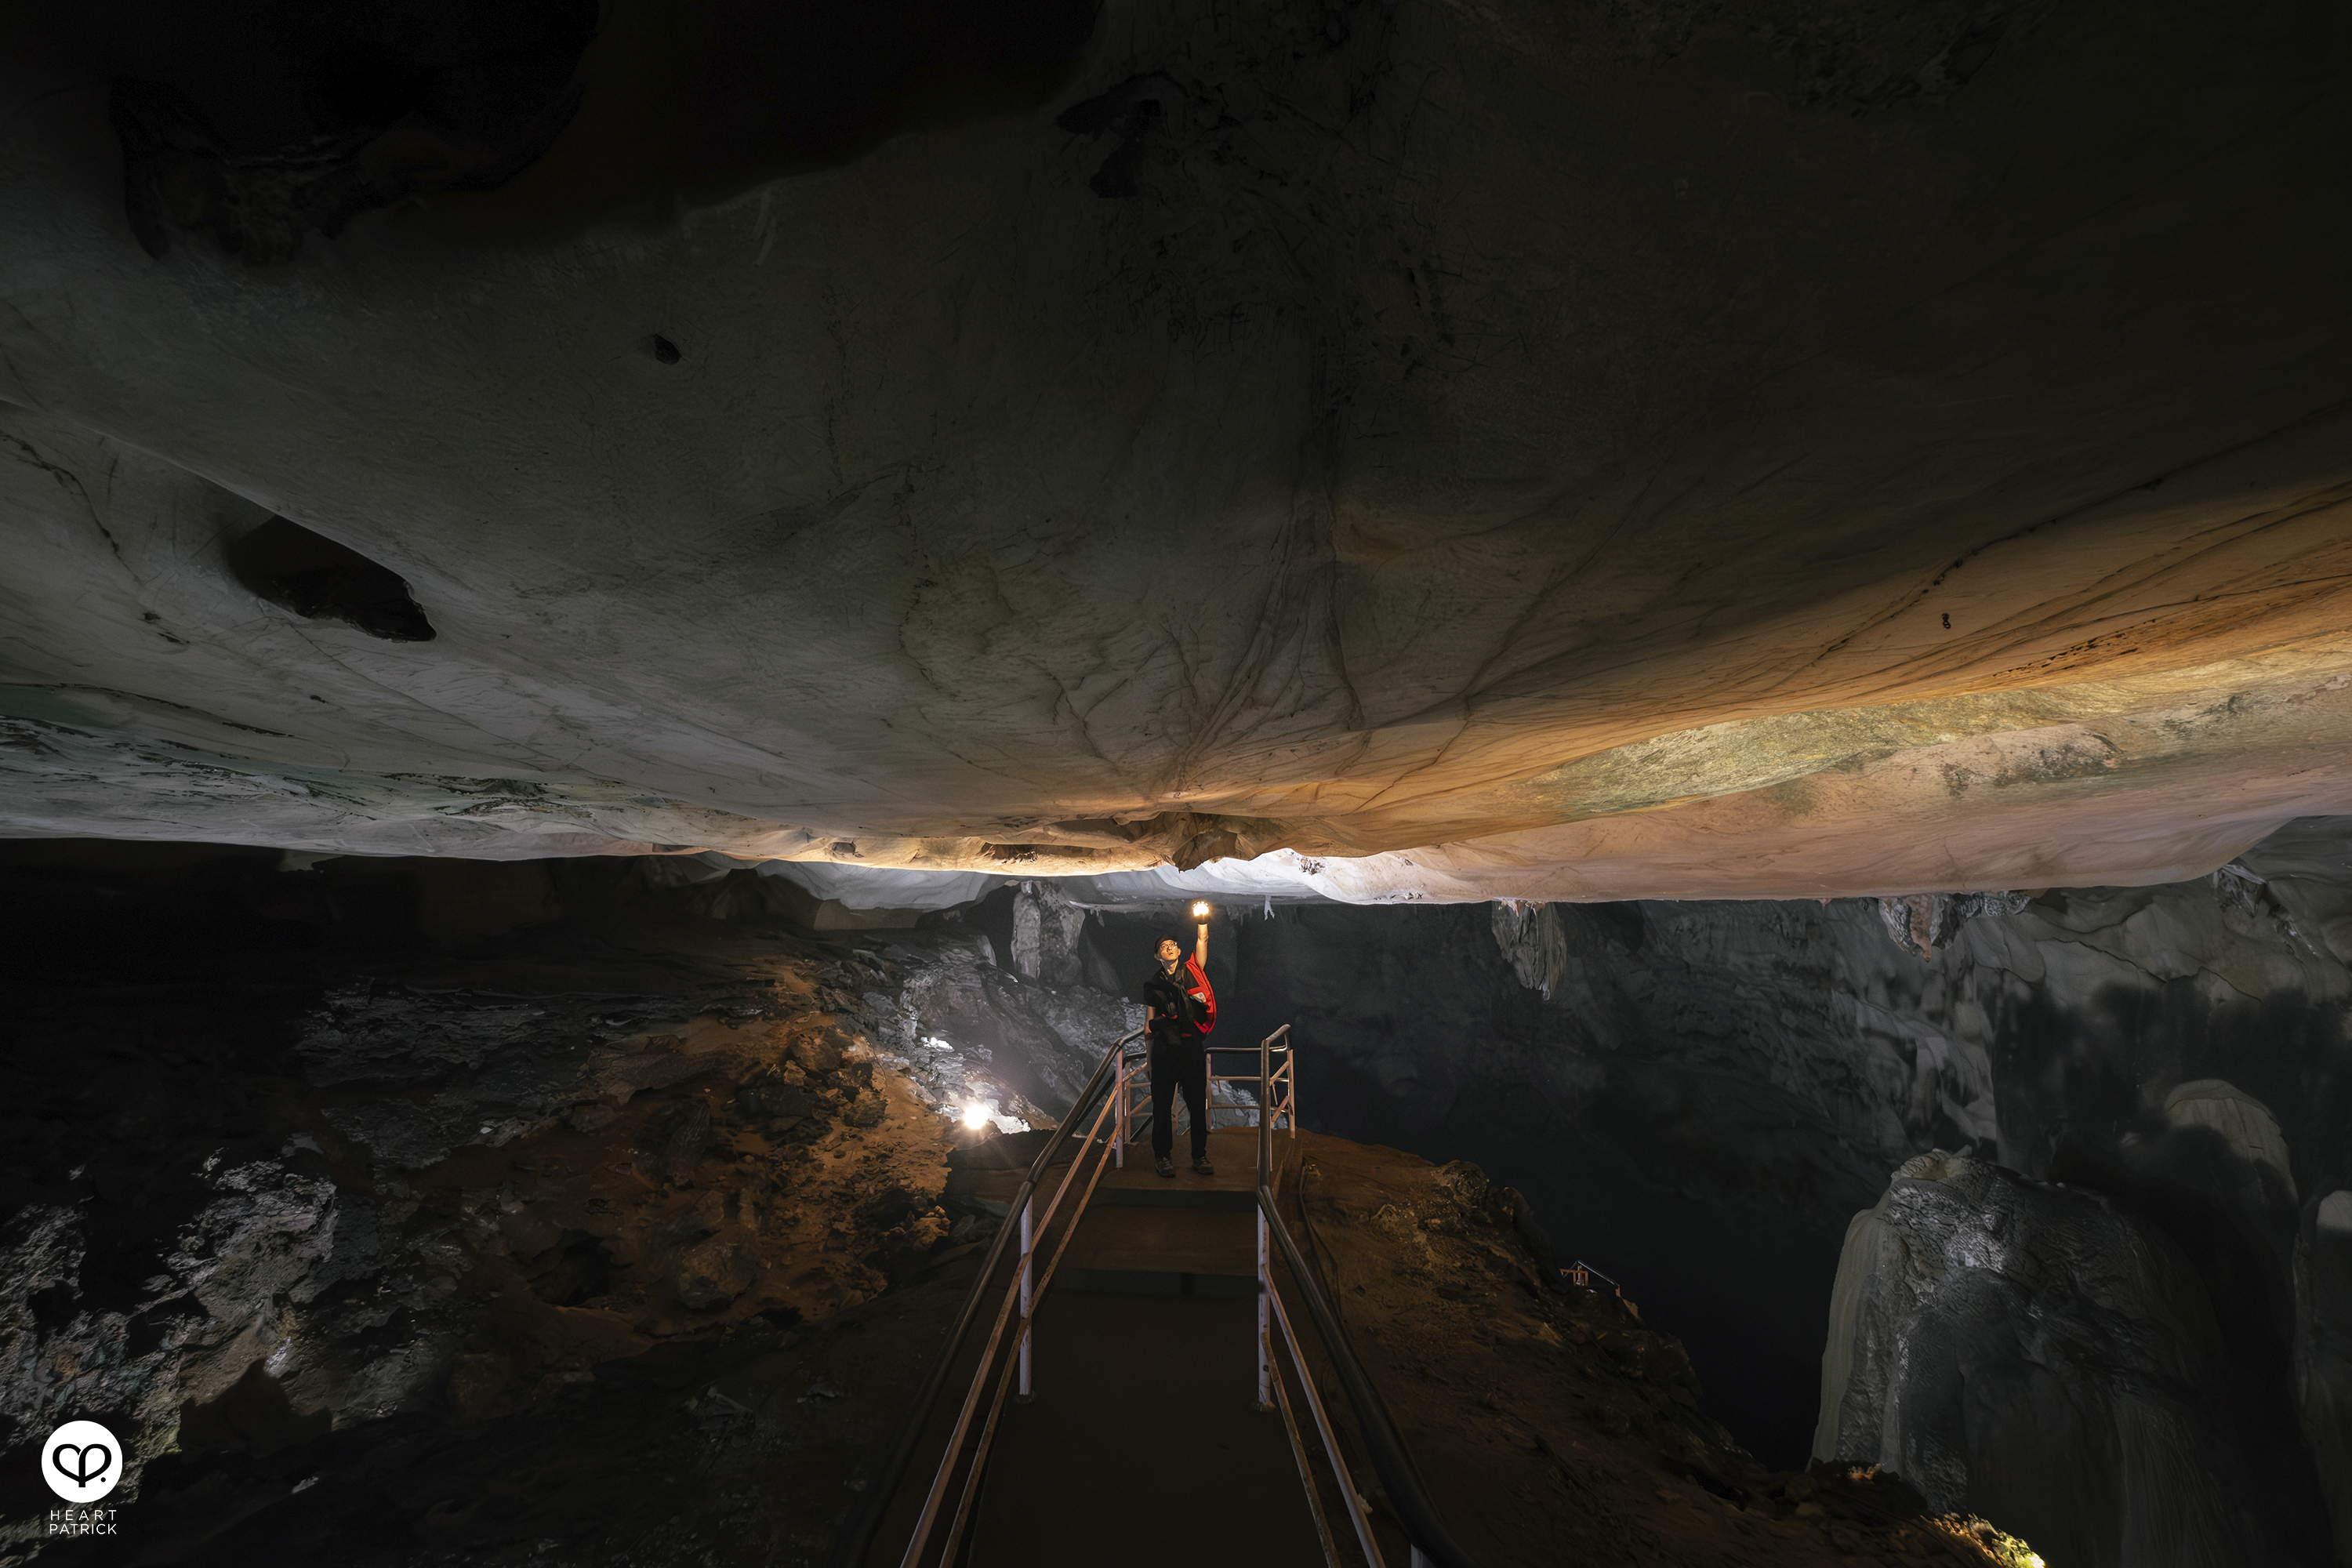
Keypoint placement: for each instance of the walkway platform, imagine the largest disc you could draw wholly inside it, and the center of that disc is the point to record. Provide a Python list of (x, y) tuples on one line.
[(1142, 1447), (988, 1188), (1146, 1234)]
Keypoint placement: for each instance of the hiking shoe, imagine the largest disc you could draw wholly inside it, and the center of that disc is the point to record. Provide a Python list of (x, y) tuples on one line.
[(1165, 1165), (1200, 1167)]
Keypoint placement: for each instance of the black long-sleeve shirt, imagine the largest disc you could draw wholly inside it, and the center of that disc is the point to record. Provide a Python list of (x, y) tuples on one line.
[(1175, 1010)]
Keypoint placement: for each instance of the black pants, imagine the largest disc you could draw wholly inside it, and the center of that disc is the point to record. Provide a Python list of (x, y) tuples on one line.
[(1179, 1063)]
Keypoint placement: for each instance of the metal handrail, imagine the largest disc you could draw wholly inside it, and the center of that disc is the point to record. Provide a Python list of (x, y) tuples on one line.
[(1277, 1092), (1270, 1376), (856, 1535), (1402, 1481), (1017, 1361), (1432, 1542), (1575, 1275)]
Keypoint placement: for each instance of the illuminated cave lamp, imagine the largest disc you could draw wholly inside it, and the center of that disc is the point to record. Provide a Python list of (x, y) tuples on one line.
[(975, 1116), (1201, 909)]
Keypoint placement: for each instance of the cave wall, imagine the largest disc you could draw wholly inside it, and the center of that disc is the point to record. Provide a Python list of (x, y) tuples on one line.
[(2050, 1354), (1575, 451), (1700, 1096)]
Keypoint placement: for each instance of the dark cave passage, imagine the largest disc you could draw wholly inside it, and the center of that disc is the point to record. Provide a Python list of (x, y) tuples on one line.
[(1705, 1098), (1711, 1092), (1414, 1034)]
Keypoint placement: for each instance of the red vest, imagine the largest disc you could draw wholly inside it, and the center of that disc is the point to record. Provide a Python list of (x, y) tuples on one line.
[(1201, 989)]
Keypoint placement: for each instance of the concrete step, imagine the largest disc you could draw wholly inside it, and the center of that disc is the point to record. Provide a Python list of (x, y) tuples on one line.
[(1161, 1251), (1233, 1150)]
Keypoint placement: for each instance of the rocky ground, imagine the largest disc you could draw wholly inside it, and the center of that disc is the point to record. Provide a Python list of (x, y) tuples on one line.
[(371, 1241), (1559, 1426)]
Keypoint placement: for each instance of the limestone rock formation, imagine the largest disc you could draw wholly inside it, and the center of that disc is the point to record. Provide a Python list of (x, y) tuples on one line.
[(1045, 932), (2323, 1348), (1426, 1272), (1921, 922), (1548, 452), (1530, 937), (2028, 1351), (240, 1284)]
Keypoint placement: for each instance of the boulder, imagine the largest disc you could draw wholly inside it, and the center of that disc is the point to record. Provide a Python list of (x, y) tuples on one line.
[(688, 1136), (714, 1273), (2031, 1353), (2323, 1360)]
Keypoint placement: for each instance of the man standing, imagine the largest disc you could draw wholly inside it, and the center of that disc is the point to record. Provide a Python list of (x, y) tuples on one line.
[(1183, 1011)]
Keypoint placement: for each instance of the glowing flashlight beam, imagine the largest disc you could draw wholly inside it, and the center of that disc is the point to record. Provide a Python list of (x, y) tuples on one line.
[(975, 1116), (1200, 910)]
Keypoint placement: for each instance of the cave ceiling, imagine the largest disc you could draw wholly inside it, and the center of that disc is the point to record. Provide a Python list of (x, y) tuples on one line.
[(1391, 451)]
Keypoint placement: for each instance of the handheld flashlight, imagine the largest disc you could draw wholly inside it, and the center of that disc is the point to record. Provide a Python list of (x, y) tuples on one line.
[(1200, 910)]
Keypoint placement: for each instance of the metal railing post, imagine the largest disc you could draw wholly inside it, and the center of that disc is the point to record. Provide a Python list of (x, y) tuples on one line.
[(1265, 1274), (1357, 1516), (1290, 1086), (1265, 1345), (1264, 1120), (1028, 1277)]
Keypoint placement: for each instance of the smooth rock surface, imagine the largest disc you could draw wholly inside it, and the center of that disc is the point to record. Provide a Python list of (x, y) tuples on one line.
[(1544, 452)]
